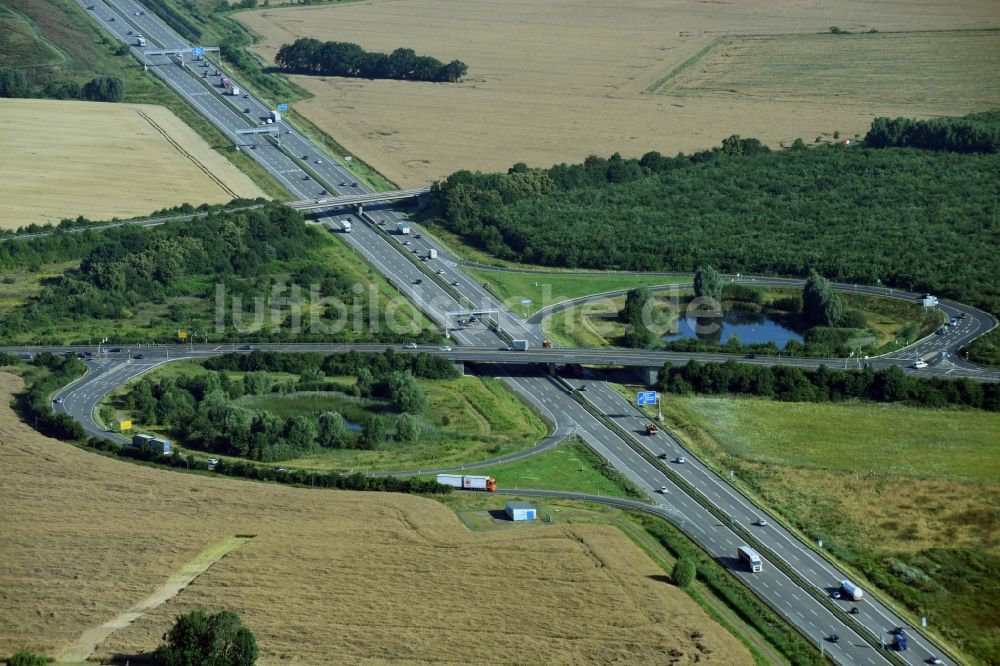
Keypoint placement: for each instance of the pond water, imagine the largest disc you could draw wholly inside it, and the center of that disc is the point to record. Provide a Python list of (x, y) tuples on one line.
[(748, 327), (351, 425)]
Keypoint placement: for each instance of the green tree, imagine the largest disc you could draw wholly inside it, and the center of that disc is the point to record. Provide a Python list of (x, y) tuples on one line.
[(407, 428), (26, 658), (406, 392), (374, 433), (13, 83), (634, 314), (684, 571), (104, 89), (300, 432), (821, 305), (256, 383), (708, 283), (332, 430), (199, 639)]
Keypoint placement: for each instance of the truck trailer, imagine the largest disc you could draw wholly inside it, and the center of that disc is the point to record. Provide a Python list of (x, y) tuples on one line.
[(466, 482), (432, 254), (403, 228), (851, 590), (346, 226), (140, 40), (234, 91), (750, 558), (275, 116)]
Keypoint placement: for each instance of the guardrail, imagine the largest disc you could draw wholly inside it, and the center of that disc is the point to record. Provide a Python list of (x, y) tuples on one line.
[(738, 529)]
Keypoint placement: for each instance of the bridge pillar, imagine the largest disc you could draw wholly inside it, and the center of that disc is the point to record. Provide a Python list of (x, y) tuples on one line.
[(460, 366), (361, 209), (648, 376)]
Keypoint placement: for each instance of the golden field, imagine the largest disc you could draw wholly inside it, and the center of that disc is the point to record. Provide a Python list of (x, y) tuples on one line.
[(62, 159), (330, 577), (557, 81)]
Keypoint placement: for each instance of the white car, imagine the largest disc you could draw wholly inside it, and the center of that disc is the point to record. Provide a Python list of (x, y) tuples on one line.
[(445, 348), (663, 490), (761, 522), (919, 364), (58, 401), (681, 460), (410, 345)]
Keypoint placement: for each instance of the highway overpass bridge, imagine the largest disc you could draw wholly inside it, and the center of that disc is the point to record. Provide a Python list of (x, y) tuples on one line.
[(348, 200)]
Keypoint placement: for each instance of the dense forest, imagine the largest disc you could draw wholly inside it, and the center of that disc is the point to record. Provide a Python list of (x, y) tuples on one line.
[(975, 133), (916, 219), (178, 271), (311, 56), (200, 410)]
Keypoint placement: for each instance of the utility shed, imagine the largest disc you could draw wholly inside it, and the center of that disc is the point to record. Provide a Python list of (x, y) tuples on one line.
[(520, 511)]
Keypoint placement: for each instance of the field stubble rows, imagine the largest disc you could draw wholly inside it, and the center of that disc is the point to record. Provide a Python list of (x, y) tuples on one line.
[(331, 577), (557, 81)]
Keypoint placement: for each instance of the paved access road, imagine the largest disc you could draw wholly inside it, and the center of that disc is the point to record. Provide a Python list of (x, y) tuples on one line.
[(438, 297)]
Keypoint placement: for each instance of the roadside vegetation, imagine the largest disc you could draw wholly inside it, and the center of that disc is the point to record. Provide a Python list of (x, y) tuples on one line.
[(349, 411), (259, 274), (572, 466), (849, 213), (985, 350), (794, 384), (869, 325), (906, 496)]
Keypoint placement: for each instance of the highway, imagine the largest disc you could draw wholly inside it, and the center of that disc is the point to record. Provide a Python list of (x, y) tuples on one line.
[(440, 281)]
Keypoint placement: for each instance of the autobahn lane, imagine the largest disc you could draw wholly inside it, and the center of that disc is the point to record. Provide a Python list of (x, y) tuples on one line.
[(550, 398), (773, 534)]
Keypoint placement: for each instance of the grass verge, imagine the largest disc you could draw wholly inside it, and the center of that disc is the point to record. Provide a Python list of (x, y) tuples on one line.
[(905, 498)]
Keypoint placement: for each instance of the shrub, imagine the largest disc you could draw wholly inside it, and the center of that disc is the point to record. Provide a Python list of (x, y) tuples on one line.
[(26, 658), (684, 572), (199, 639)]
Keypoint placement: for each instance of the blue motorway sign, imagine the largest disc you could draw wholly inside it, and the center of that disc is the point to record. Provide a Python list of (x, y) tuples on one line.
[(282, 107), (646, 398), (198, 50)]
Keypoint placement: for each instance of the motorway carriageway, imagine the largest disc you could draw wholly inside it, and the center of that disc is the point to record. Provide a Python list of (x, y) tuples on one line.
[(551, 398)]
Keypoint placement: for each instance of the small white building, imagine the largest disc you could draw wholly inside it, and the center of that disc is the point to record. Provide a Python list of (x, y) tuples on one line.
[(520, 511)]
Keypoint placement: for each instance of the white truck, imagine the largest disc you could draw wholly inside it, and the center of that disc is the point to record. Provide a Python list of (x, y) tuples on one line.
[(140, 40), (346, 226), (275, 117), (467, 482), (432, 254), (234, 91), (851, 590), (518, 345), (403, 228)]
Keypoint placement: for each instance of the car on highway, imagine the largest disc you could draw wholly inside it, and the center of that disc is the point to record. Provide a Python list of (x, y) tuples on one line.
[(139, 356), (440, 272), (835, 594), (455, 283), (115, 350), (418, 281), (354, 184), (417, 236), (246, 347), (410, 345), (761, 522), (90, 6), (246, 96), (246, 110), (834, 638), (751, 355), (58, 401), (680, 460), (919, 364), (445, 348), (406, 242), (934, 659), (964, 315), (319, 161), (942, 331), (112, 18), (664, 455), (663, 490)]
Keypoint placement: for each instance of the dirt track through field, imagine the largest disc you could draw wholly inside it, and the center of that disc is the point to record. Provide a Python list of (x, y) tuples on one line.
[(84, 647)]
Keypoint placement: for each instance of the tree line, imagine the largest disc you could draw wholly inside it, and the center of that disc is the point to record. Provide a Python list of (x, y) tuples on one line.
[(793, 384), (912, 219), (311, 56), (15, 82), (975, 133)]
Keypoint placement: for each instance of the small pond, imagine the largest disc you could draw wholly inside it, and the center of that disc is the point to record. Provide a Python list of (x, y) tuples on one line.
[(748, 327)]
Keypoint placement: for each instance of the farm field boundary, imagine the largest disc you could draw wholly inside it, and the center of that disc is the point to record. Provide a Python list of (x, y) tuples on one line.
[(84, 647), (893, 68)]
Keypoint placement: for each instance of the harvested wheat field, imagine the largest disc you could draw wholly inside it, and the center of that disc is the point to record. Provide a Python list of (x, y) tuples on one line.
[(330, 577), (556, 81), (62, 159)]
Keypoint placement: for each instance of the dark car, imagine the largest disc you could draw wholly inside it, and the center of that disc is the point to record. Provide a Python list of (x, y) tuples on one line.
[(834, 638), (115, 350), (139, 356), (751, 355), (246, 347)]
